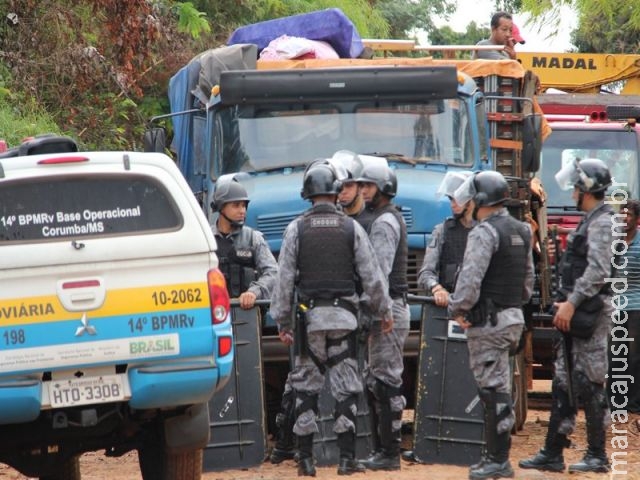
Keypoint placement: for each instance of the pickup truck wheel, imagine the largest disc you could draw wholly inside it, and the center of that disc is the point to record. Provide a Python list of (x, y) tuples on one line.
[(157, 464), (68, 470)]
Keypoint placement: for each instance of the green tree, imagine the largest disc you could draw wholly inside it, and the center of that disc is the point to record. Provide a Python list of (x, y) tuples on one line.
[(604, 26), (446, 36)]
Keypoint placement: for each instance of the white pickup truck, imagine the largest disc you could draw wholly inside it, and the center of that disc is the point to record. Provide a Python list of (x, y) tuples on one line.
[(114, 319)]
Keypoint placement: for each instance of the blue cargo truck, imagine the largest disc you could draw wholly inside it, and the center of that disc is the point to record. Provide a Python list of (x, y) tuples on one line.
[(269, 119)]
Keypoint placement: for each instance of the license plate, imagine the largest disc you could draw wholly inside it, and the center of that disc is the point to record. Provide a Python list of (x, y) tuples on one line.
[(86, 391)]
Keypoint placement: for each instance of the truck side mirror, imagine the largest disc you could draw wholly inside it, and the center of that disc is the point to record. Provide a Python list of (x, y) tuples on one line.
[(155, 139), (531, 142)]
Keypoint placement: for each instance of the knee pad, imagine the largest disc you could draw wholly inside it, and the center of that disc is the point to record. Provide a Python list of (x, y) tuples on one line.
[(304, 402)]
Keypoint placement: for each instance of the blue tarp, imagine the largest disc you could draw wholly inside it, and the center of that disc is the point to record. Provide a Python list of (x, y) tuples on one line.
[(330, 25), (190, 88), (181, 99)]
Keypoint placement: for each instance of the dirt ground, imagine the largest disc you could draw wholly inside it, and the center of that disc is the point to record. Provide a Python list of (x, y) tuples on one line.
[(95, 466)]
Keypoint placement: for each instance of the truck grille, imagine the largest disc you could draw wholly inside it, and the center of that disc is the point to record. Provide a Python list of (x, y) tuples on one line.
[(273, 226), (414, 263)]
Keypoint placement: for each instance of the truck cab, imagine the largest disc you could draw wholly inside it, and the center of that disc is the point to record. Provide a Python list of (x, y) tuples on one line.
[(584, 126)]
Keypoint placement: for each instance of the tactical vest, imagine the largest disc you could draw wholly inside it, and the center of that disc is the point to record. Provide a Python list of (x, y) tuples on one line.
[(504, 280), (236, 258), (454, 241), (364, 218), (398, 286), (574, 261), (326, 265)]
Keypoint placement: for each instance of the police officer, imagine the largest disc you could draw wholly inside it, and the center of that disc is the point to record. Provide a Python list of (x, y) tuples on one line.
[(348, 166), (323, 253), (496, 279), (245, 259), (443, 255), (580, 364), (388, 234)]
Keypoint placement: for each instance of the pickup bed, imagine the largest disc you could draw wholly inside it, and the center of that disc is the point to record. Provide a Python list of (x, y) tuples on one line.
[(114, 319)]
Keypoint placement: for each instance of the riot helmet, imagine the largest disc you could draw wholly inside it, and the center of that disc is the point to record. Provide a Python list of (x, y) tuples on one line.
[(382, 176), (486, 189), (589, 175), (228, 189), (351, 162), (320, 178)]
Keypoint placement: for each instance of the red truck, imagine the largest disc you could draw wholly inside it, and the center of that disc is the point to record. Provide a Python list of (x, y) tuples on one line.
[(600, 126)]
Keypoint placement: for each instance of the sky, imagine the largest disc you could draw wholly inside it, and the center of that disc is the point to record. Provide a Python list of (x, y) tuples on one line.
[(480, 11)]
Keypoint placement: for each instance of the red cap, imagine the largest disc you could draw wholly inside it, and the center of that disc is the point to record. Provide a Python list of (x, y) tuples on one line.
[(515, 33)]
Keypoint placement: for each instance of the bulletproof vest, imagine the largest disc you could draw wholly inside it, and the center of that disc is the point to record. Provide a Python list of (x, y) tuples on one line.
[(504, 280), (454, 241), (365, 217), (398, 286), (326, 268), (236, 258), (574, 261)]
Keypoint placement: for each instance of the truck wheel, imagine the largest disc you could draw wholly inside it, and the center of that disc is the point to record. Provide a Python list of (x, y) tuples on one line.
[(519, 391), (157, 464), (68, 470)]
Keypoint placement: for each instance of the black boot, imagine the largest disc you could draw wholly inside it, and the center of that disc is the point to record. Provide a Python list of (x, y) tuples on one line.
[(347, 440), (387, 457), (545, 461), (495, 463), (410, 456), (284, 448), (306, 467), (348, 463), (550, 457), (595, 459)]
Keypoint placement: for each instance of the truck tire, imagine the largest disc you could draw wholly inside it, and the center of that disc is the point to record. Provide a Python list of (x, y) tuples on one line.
[(68, 470), (157, 464), (519, 390)]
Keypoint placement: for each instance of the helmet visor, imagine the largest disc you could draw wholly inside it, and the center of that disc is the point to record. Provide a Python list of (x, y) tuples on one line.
[(465, 192), (570, 175), (449, 184)]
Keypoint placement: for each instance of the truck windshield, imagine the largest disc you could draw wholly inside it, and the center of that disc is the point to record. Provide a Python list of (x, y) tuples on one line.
[(265, 137), (618, 148)]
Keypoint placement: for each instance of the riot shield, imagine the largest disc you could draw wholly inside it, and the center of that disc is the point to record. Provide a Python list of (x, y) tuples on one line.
[(325, 446), (449, 417), (237, 416), (325, 443)]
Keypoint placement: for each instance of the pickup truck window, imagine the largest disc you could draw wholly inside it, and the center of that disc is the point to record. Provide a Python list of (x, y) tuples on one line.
[(54, 208)]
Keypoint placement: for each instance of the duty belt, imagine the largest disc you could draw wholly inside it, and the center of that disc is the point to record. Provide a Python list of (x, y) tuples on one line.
[(336, 302)]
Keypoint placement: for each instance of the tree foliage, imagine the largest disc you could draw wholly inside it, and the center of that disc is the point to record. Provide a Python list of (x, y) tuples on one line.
[(604, 26), (100, 68)]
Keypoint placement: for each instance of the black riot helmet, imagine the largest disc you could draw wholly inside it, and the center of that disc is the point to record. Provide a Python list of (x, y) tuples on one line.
[(228, 189), (320, 178), (382, 176), (491, 188), (589, 175)]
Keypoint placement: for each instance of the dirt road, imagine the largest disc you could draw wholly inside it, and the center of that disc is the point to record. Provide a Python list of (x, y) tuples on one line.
[(95, 466)]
